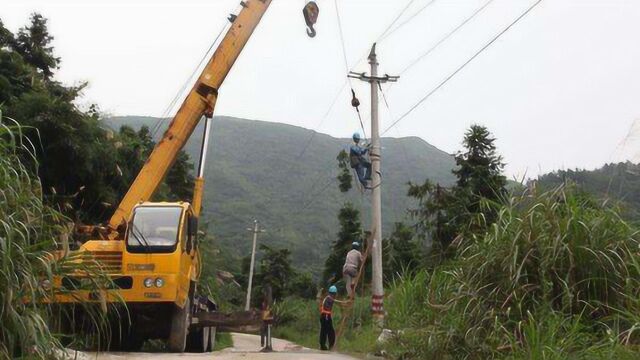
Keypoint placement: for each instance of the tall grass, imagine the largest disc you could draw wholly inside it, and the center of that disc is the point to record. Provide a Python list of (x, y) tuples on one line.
[(29, 232), (556, 276)]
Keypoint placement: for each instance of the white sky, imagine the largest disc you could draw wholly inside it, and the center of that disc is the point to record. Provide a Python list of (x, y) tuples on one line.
[(559, 90)]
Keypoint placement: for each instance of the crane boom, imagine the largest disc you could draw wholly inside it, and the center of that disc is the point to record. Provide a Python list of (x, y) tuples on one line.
[(200, 101)]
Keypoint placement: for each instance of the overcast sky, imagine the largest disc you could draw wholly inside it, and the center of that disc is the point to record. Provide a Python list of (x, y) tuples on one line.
[(561, 89)]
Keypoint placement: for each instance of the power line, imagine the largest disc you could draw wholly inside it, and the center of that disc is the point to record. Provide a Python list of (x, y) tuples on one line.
[(428, 95), (446, 37), (384, 33), (317, 195), (406, 21), (346, 65), (324, 117), (378, 39), (386, 103), (340, 32), (337, 96)]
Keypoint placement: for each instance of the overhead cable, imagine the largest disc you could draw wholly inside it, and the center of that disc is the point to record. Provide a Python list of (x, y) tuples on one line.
[(346, 65), (406, 21), (404, 9), (441, 84), (378, 39), (445, 38)]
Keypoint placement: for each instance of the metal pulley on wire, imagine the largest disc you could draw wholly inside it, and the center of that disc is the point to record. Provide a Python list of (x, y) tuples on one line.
[(310, 12), (354, 100)]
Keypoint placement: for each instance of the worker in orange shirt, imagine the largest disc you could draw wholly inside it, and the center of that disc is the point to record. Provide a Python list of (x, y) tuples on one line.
[(327, 331)]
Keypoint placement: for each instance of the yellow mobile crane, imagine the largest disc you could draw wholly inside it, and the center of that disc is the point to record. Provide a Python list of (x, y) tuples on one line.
[(150, 249)]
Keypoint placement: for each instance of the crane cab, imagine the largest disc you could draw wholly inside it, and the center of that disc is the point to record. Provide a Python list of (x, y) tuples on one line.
[(161, 248)]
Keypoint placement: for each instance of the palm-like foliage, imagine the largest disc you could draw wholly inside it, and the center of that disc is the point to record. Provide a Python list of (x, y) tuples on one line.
[(556, 276), (29, 232)]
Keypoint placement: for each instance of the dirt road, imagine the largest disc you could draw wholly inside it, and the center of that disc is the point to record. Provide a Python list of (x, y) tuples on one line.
[(245, 347)]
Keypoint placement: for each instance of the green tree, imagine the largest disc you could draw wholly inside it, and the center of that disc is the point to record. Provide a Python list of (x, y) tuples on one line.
[(180, 179), (404, 253), (133, 150), (344, 177), (443, 215), (350, 231), (34, 44), (303, 286), (275, 271), (479, 173), (435, 213), (84, 169)]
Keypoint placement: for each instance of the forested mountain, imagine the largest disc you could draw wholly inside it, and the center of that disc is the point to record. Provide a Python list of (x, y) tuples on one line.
[(261, 170), (620, 181)]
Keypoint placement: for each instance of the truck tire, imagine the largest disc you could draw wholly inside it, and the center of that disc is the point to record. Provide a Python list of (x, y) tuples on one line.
[(198, 340), (180, 321)]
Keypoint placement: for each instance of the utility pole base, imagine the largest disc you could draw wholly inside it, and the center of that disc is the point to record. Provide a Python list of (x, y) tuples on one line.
[(377, 309)]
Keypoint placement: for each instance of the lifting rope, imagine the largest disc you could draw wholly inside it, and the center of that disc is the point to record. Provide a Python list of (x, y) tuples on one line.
[(354, 100)]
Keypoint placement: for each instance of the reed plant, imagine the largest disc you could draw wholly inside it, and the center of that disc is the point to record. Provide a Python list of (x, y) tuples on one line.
[(30, 234), (555, 277)]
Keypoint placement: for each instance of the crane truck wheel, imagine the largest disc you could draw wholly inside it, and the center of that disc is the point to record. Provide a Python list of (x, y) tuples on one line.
[(180, 321)]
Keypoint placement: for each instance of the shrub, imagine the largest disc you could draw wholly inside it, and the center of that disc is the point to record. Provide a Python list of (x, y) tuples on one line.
[(555, 276)]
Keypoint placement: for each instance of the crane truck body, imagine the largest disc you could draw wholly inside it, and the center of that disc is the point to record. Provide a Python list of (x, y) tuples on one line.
[(150, 250)]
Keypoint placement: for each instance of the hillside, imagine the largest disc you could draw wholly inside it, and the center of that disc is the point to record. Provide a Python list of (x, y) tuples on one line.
[(619, 182), (254, 170)]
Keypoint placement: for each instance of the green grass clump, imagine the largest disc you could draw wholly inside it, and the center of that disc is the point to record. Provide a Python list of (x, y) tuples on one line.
[(223, 341), (556, 277), (29, 232)]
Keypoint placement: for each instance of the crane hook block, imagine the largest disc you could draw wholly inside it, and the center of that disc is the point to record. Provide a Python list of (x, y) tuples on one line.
[(310, 12)]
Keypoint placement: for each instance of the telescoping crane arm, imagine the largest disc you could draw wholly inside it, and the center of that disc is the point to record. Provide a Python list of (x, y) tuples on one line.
[(200, 101)]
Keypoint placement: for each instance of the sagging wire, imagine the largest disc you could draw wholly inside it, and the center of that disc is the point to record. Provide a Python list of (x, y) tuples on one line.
[(453, 74)]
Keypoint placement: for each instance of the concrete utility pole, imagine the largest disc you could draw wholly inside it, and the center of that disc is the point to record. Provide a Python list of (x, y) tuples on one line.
[(375, 153), (255, 231)]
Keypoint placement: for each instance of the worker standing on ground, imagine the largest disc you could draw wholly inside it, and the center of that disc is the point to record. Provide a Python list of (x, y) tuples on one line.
[(359, 162), (326, 321), (350, 268)]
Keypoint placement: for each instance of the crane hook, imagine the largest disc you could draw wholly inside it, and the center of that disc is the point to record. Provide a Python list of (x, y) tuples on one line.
[(311, 31), (310, 13)]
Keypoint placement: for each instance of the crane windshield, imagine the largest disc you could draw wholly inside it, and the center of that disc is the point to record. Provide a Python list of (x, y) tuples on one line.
[(154, 229)]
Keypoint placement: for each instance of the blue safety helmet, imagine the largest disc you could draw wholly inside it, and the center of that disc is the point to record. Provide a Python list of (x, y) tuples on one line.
[(333, 289), (355, 245), (356, 137)]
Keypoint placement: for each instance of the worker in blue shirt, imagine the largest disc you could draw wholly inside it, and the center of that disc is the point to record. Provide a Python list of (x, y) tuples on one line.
[(359, 162)]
